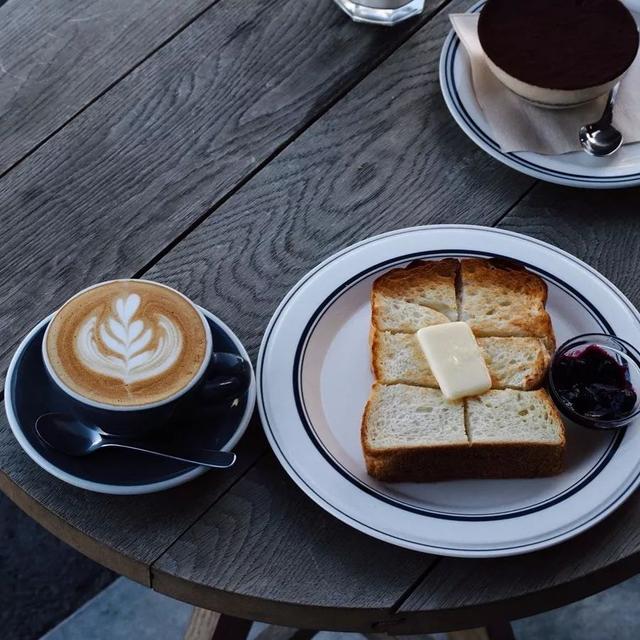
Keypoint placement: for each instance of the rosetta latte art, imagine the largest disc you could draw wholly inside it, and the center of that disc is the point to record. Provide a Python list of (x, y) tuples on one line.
[(135, 350)]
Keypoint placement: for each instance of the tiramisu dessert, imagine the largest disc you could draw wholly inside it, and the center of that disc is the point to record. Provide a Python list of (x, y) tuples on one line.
[(558, 53)]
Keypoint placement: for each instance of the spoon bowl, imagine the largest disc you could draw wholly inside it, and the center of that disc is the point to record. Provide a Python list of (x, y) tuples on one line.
[(601, 138), (65, 433), (600, 142)]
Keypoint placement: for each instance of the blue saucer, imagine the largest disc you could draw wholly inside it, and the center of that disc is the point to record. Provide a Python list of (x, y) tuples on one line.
[(29, 393)]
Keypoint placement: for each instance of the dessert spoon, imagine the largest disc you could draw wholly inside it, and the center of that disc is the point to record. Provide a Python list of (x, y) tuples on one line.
[(601, 138), (69, 435)]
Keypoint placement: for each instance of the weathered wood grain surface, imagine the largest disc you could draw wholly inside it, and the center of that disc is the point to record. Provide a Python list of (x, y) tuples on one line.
[(458, 593), (386, 156), (348, 176), (124, 533), (139, 167), (278, 557), (308, 203), (257, 141), (311, 201), (77, 517), (58, 56)]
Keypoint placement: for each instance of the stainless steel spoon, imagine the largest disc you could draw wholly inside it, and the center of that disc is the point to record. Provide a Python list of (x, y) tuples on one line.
[(69, 435), (601, 138)]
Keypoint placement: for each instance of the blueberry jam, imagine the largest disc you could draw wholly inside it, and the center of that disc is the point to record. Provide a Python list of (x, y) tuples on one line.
[(593, 384)]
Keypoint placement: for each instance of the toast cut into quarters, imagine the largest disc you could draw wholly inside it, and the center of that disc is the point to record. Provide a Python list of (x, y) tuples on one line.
[(401, 415), (409, 431)]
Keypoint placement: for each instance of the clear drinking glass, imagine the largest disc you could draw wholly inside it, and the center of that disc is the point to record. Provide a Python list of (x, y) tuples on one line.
[(386, 12)]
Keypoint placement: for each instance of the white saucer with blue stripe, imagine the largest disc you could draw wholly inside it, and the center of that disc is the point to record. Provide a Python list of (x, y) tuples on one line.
[(314, 379), (572, 169)]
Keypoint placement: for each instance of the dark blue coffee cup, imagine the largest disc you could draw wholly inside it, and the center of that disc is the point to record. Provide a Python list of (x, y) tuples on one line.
[(220, 376)]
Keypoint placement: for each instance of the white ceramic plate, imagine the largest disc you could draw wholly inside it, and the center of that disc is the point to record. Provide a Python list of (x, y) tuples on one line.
[(572, 169), (314, 379)]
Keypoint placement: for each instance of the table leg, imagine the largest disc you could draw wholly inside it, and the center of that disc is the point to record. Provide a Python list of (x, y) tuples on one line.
[(501, 630), (210, 625), (494, 631)]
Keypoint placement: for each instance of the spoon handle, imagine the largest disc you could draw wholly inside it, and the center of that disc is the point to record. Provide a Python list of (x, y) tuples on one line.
[(607, 116), (202, 457)]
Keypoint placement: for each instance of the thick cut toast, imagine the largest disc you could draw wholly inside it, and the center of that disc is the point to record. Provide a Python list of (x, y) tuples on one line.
[(409, 432), (507, 415), (520, 432), (501, 298), (430, 289), (397, 315), (515, 363), (412, 434), (398, 358), (401, 416)]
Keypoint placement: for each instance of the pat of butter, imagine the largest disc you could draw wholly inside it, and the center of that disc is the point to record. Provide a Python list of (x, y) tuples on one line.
[(455, 359)]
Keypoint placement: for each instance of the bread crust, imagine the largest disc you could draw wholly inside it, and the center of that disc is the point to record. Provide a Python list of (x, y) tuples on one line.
[(538, 372), (497, 460), (374, 340)]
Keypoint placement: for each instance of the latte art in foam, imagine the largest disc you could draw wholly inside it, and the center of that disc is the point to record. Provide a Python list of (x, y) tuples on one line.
[(133, 351), (127, 342)]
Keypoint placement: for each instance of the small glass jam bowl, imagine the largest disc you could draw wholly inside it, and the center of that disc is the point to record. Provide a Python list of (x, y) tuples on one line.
[(625, 355)]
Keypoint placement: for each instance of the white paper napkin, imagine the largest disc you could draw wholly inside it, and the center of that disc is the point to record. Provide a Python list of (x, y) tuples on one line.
[(517, 125)]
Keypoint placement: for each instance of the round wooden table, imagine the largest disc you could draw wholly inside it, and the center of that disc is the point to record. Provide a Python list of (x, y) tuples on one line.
[(225, 148)]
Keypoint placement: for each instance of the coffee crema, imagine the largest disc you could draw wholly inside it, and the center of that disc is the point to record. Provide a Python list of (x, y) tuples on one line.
[(127, 342)]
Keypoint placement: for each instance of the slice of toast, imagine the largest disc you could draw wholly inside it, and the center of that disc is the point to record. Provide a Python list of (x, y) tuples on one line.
[(518, 363), (411, 430), (515, 363), (419, 295), (398, 358), (413, 434), (517, 433), (502, 298), (395, 314), (507, 415)]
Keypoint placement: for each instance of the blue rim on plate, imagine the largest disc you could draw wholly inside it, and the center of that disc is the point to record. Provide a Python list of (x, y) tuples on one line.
[(450, 52), (29, 392), (588, 476)]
